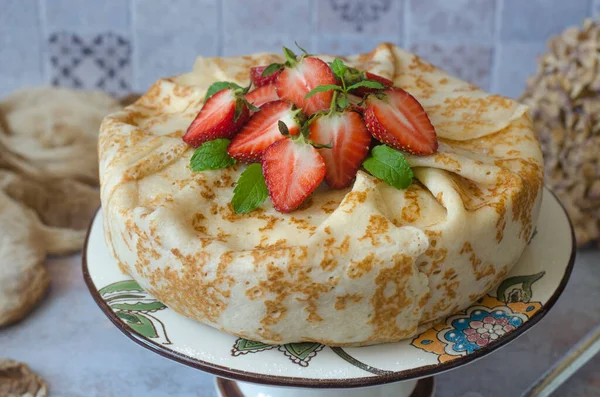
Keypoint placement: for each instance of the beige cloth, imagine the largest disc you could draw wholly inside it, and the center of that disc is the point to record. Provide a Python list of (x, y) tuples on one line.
[(17, 380), (48, 179)]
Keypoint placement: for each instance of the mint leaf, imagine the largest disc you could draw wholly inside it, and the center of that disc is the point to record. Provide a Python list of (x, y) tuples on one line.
[(342, 101), (220, 86), (322, 88), (212, 155), (250, 190), (390, 166), (290, 56), (301, 49), (271, 69), (367, 83), (338, 68)]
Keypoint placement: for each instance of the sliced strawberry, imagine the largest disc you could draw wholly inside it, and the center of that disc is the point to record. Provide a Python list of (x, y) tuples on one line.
[(400, 121), (362, 91), (296, 81), (350, 138), (262, 130), (293, 169), (217, 118), (262, 95), (258, 79)]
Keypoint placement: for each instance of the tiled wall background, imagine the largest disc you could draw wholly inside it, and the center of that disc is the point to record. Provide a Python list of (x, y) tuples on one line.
[(124, 45)]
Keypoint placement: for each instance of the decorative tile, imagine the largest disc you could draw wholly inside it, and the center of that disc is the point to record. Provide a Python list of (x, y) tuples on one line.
[(457, 20), (240, 44), (169, 35), (288, 18), (534, 20), (468, 62), (21, 56), (596, 9), (87, 15), (515, 62), (100, 61), (348, 45), (371, 17)]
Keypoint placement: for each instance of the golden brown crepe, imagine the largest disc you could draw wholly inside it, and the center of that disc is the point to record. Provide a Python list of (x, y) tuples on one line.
[(363, 265)]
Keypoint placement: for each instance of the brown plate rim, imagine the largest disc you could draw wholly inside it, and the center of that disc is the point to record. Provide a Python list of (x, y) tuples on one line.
[(245, 376)]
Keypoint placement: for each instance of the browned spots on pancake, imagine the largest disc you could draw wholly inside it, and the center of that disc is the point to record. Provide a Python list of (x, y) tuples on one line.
[(224, 181), (411, 211), (420, 65), (214, 209), (342, 300), (443, 81), (329, 206), (255, 292), (197, 223), (480, 269), (424, 299), (448, 161), (378, 225), (387, 307), (327, 230), (330, 252), (208, 194), (196, 260), (302, 224), (436, 256), (353, 199), (439, 197), (271, 221), (357, 269), (426, 88)]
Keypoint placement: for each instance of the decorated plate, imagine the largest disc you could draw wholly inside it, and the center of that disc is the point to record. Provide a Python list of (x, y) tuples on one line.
[(515, 305)]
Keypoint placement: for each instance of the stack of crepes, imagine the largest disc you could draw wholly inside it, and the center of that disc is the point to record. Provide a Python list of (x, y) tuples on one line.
[(357, 266)]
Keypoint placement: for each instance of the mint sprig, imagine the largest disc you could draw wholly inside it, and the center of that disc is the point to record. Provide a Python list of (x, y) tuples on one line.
[(346, 75), (390, 166), (212, 155), (250, 190), (220, 86)]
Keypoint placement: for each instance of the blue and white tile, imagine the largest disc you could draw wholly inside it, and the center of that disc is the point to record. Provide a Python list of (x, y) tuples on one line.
[(471, 63), (456, 20), (21, 57), (168, 36), (87, 16), (100, 61), (239, 44), (367, 17), (349, 44), (515, 62), (536, 20)]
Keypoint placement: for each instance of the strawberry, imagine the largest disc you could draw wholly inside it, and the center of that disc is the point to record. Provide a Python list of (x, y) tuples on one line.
[(262, 95), (293, 169), (258, 79), (262, 130), (397, 119), (222, 115), (300, 77), (350, 138)]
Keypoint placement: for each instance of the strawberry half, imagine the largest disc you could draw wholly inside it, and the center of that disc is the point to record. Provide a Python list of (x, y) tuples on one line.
[(293, 169), (301, 77), (350, 138), (258, 79), (262, 95), (221, 117), (262, 130), (397, 119)]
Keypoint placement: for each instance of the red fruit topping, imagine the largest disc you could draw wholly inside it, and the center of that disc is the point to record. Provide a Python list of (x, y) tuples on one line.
[(262, 95), (400, 121), (217, 118), (262, 130), (258, 79), (295, 82), (293, 169), (350, 138)]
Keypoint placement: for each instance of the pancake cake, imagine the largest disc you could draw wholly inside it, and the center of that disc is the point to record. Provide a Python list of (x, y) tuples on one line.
[(351, 214)]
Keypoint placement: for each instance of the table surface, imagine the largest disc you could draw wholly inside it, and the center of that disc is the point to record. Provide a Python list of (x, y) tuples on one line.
[(77, 350)]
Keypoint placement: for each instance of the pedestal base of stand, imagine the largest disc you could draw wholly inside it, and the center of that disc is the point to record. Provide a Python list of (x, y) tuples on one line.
[(412, 388)]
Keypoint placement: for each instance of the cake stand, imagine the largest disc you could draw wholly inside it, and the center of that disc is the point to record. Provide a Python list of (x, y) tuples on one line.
[(247, 368)]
